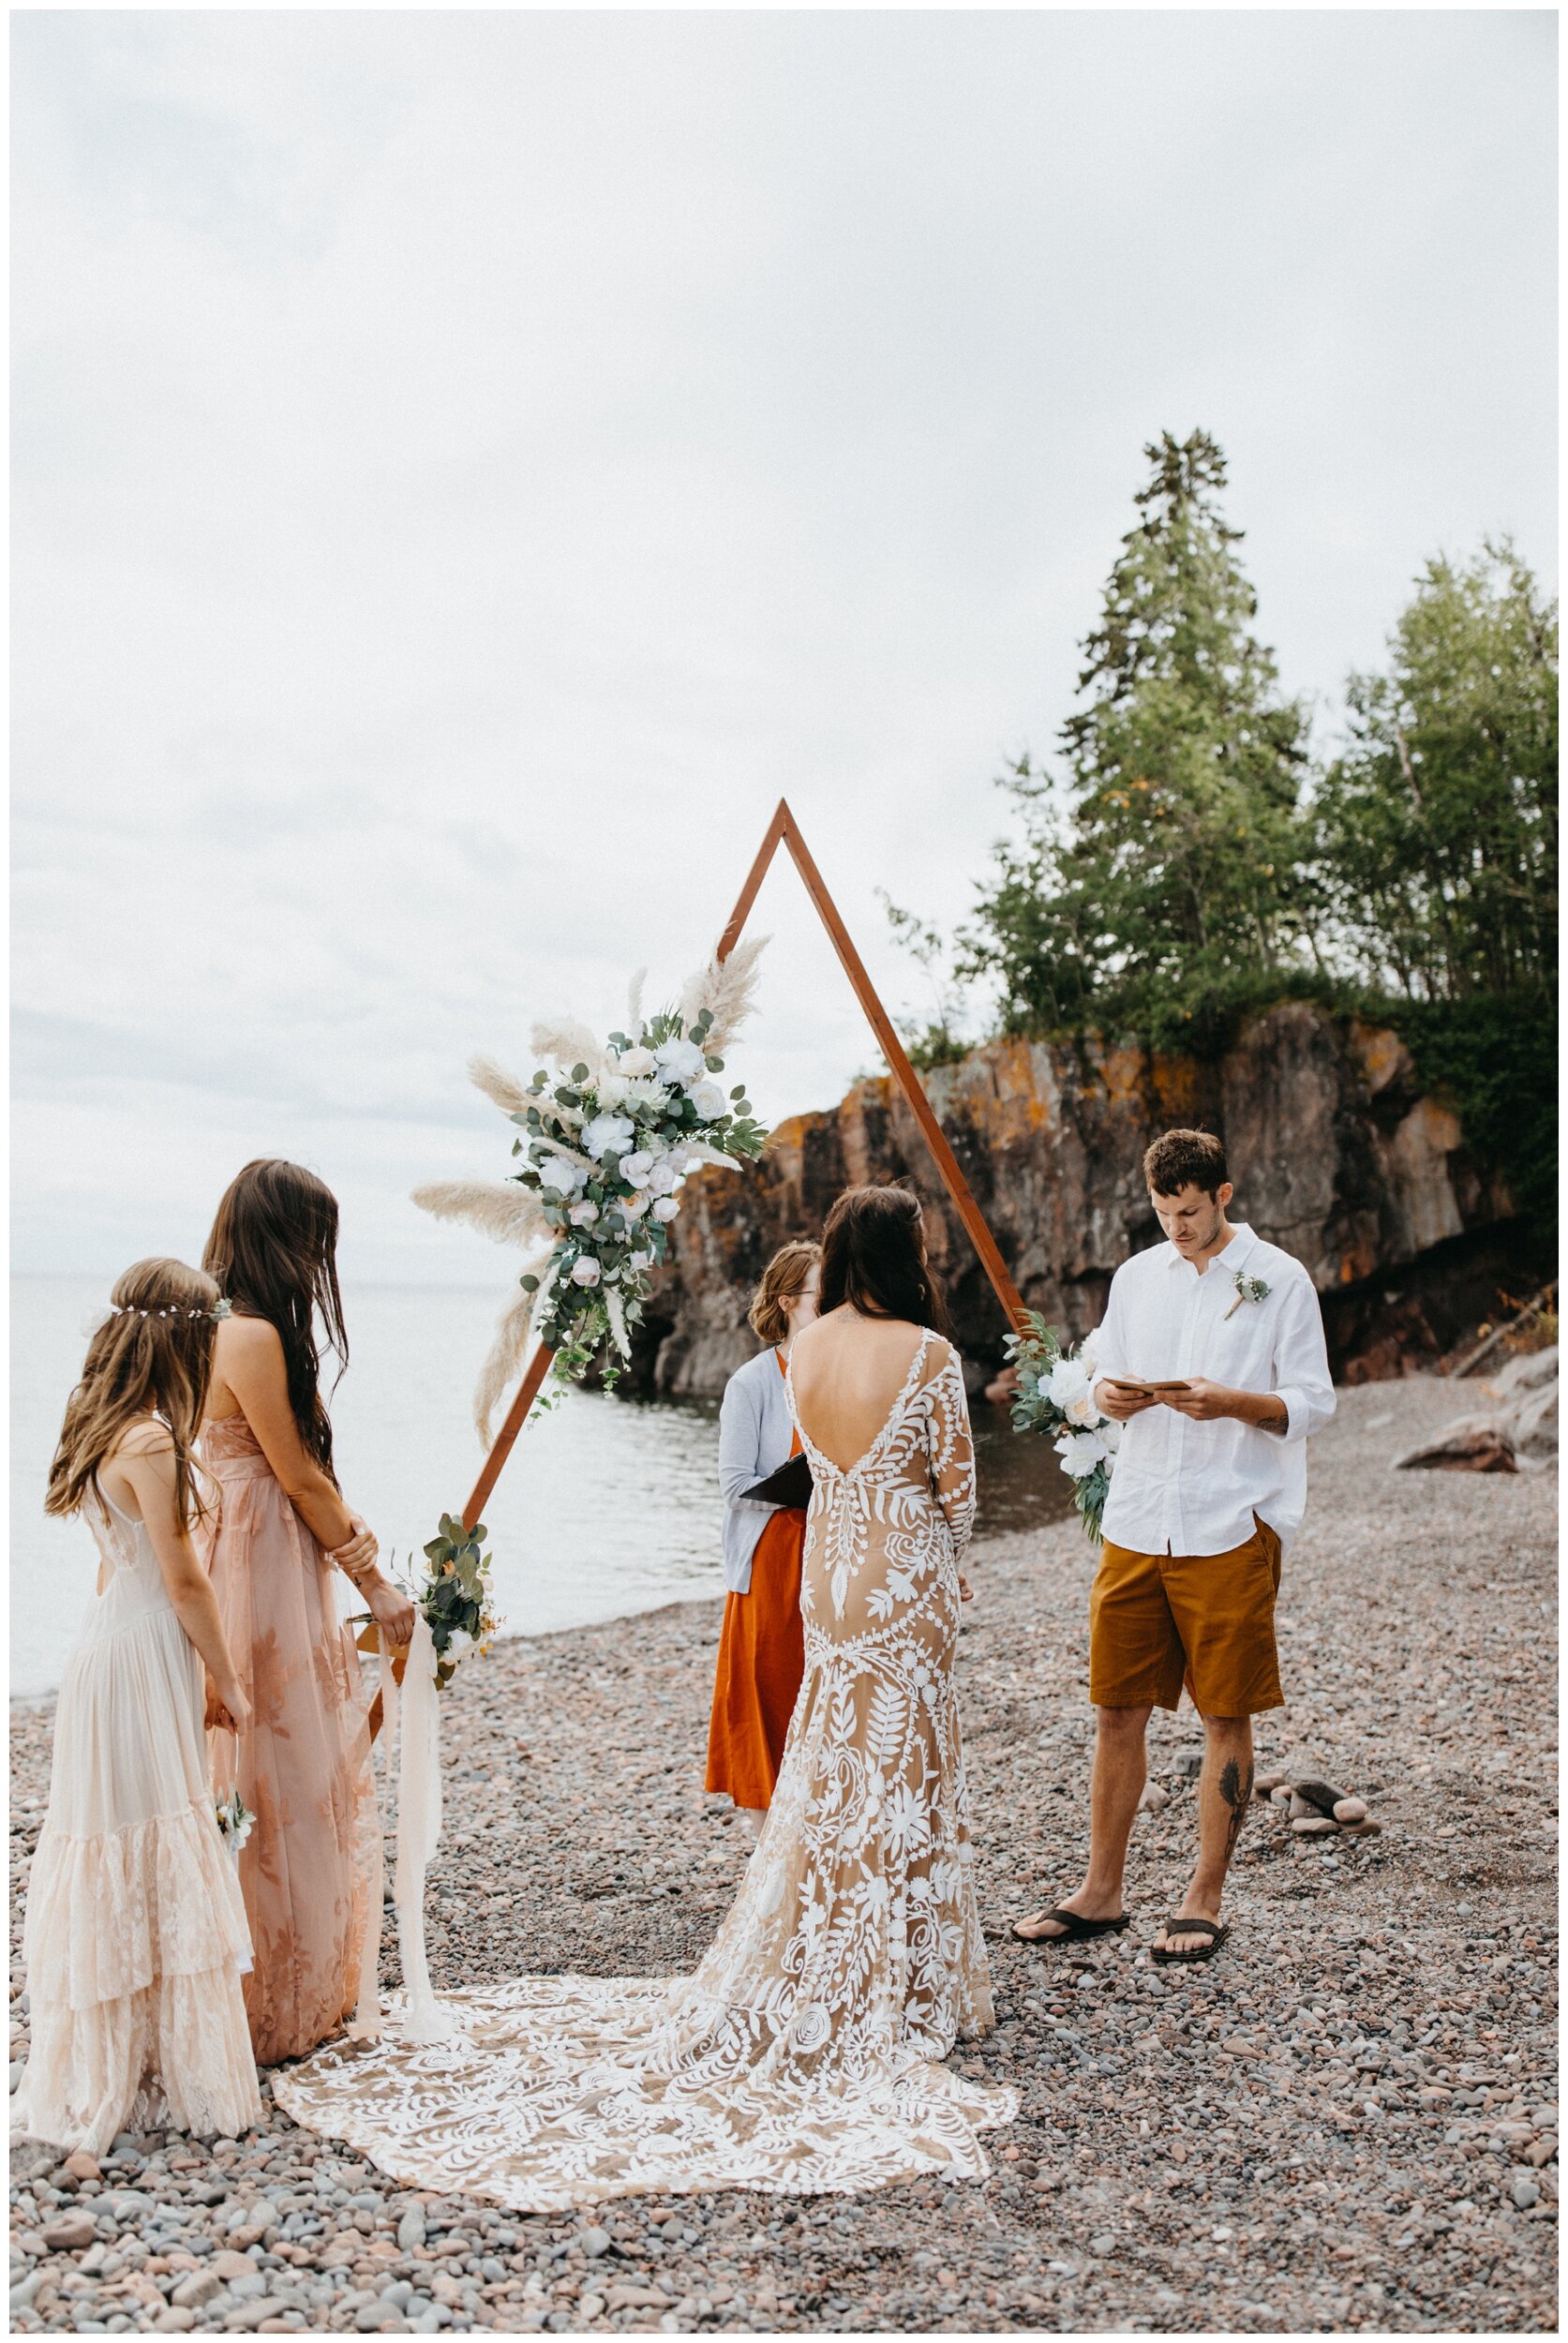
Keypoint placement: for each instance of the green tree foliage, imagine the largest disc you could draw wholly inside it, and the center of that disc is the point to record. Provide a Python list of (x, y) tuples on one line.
[(1180, 870), (1437, 828), (1164, 882)]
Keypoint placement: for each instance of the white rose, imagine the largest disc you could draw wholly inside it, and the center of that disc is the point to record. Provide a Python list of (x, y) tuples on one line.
[(709, 1100), (663, 1180), (637, 1166), (665, 1208), (585, 1272), (1069, 1381), (1079, 1452), (583, 1216), (637, 1061), (612, 1090), (608, 1135), (1081, 1411), (680, 1061), (639, 1262), (631, 1207), (651, 1097), (681, 1160), (1088, 1350), (555, 1171)]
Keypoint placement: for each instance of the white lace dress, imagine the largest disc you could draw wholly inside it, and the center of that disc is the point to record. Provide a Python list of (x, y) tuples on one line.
[(135, 1936), (805, 2055)]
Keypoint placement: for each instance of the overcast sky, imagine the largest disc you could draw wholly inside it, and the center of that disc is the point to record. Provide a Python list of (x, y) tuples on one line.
[(470, 466)]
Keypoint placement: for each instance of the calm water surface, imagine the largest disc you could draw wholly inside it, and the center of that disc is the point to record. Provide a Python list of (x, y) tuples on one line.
[(606, 1506)]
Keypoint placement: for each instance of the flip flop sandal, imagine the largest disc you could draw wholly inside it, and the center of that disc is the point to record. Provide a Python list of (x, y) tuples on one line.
[(1216, 1931), (1076, 1929)]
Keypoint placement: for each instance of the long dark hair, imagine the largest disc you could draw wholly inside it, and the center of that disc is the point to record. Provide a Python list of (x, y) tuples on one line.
[(873, 1258), (151, 1356), (274, 1253)]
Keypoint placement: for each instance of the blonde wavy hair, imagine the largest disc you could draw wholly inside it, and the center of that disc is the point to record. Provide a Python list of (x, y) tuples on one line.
[(153, 1356), (785, 1275)]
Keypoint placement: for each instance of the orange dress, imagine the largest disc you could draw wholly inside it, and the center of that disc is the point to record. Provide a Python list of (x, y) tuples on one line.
[(762, 1658)]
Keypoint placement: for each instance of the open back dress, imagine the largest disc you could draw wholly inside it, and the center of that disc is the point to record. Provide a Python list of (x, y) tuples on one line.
[(805, 2055)]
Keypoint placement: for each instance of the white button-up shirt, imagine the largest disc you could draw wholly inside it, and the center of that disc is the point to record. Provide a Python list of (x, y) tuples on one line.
[(1185, 1487)]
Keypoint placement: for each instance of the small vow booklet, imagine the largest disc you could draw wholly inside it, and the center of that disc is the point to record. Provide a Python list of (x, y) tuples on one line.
[(790, 1485), (1140, 1390)]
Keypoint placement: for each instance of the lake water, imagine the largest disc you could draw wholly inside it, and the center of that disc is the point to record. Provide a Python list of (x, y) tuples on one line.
[(606, 1506)]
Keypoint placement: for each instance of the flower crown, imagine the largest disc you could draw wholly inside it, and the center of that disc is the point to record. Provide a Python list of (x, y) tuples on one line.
[(96, 1319)]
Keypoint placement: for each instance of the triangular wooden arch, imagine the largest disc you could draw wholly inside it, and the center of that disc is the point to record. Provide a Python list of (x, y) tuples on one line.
[(783, 832)]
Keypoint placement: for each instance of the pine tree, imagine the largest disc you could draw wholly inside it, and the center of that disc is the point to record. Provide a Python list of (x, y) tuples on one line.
[(1165, 879)]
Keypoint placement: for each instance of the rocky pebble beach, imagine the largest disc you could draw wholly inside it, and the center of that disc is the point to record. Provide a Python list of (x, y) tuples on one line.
[(1348, 2120)]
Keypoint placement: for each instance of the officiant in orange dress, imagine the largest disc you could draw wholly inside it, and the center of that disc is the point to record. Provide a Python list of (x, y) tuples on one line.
[(761, 1646)]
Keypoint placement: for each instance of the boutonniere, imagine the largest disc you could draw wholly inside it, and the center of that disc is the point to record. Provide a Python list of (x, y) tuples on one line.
[(1247, 1289)]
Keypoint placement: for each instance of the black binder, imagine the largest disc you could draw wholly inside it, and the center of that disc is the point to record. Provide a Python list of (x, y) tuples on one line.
[(790, 1485)]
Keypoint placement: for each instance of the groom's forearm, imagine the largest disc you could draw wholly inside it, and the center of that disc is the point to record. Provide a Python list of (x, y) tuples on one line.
[(1264, 1410)]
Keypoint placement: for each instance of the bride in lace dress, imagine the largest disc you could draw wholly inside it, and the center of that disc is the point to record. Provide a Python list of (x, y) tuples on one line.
[(806, 2053)]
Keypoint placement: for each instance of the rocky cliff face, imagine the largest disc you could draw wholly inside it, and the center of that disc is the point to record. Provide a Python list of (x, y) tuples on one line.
[(1335, 1154)]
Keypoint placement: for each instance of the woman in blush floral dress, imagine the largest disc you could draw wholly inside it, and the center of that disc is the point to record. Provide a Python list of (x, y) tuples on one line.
[(303, 1764)]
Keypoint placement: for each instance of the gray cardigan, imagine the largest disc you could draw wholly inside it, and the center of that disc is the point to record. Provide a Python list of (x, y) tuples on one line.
[(756, 1433)]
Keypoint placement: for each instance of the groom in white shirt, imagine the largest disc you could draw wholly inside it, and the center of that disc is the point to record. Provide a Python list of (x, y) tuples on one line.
[(1212, 1357)]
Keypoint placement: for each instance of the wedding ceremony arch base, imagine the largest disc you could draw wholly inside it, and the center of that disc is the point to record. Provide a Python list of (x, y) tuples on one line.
[(420, 1764), (783, 831)]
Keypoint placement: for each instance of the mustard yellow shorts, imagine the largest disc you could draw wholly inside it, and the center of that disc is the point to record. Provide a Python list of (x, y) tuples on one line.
[(1157, 1621)]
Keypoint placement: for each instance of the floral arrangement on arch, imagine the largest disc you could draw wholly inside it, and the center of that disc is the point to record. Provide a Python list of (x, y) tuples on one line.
[(1056, 1396), (609, 1133)]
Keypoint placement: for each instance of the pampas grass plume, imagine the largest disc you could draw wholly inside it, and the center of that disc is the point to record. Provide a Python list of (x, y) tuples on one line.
[(728, 988), (506, 1214)]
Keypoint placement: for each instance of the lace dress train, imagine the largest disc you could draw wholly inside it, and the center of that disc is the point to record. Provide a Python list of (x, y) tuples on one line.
[(805, 2054)]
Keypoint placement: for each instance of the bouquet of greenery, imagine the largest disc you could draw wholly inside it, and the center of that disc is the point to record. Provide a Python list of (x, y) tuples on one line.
[(455, 1597), (1056, 1396)]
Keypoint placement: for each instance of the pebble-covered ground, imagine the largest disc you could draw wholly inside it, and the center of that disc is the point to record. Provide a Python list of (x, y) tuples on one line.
[(1348, 2120)]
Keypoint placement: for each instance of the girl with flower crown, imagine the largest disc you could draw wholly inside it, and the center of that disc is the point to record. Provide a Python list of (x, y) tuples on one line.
[(135, 1935), (302, 1764)]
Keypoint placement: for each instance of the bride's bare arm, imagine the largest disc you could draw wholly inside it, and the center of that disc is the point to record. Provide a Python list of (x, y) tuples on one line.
[(951, 1447)]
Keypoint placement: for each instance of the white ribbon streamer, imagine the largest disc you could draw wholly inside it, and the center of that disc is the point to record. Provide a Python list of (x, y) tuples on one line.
[(414, 1715)]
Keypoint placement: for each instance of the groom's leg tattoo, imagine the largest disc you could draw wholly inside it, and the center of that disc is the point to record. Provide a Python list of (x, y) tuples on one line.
[(1238, 1795)]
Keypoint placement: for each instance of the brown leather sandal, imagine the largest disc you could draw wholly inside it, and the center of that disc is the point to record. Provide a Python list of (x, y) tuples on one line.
[(1216, 1931), (1076, 1930)]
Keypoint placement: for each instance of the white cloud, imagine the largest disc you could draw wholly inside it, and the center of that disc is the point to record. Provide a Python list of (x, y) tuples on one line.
[(470, 466)]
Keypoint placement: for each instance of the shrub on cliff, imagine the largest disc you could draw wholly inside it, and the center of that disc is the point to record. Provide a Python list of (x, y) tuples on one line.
[(1436, 829)]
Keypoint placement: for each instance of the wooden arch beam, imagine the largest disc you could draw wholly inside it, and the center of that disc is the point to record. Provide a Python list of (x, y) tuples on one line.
[(783, 830)]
